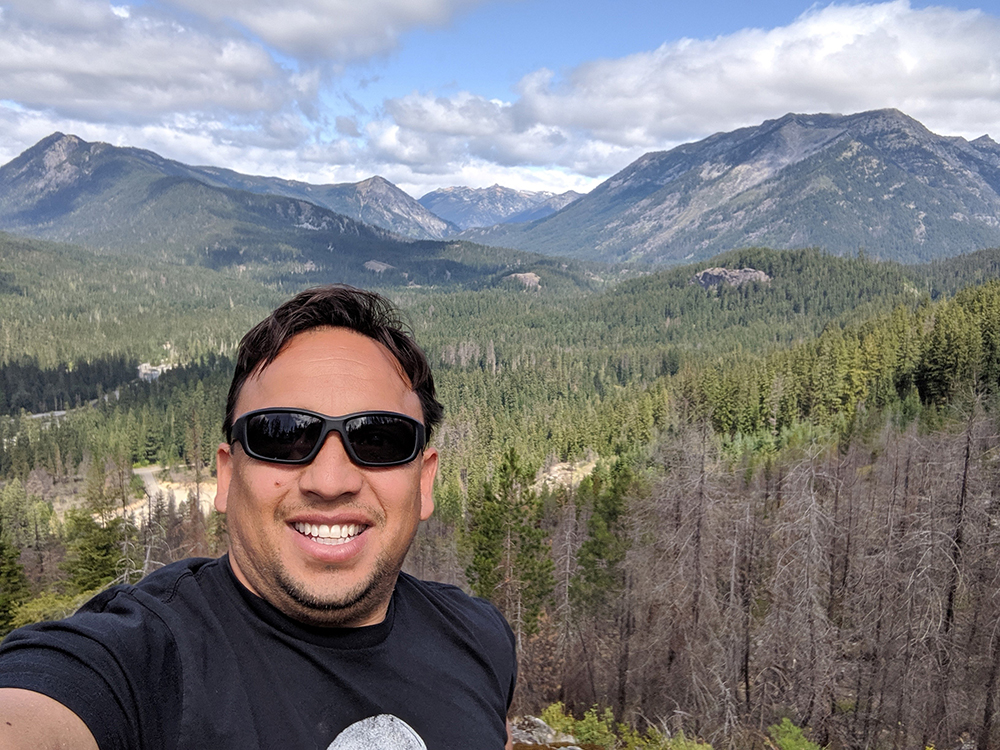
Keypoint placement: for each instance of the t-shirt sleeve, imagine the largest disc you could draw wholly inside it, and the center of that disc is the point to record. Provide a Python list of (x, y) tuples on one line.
[(504, 648), (104, 663), (498, 644), (482, 626)]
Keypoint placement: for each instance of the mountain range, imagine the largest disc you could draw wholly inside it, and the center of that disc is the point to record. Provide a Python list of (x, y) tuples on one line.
[(131, 202), (483, 207), (875, 181), (374, 201), (125, 199)]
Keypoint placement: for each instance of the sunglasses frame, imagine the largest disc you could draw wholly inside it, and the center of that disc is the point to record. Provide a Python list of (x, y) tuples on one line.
[(330, 424)]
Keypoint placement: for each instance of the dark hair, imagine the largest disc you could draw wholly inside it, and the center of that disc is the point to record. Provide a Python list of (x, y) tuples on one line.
[(337, 306)]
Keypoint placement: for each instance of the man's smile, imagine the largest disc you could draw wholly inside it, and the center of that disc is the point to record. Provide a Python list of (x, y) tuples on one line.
[(330, 534)]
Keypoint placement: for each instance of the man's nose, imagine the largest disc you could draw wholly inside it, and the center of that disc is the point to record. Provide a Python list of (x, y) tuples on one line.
[(331, 473)]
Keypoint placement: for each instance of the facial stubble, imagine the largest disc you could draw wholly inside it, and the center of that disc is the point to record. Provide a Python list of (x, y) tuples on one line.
[(353, 607)]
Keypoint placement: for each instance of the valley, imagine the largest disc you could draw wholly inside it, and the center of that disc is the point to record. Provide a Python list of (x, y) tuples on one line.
[(729, 488)]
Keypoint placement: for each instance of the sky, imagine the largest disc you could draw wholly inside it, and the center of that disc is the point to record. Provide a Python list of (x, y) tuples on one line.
[(549, 95)]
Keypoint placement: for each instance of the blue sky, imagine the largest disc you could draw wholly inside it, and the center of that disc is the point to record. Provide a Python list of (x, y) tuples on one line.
[(489, 48), (534, 94), (495, 45)]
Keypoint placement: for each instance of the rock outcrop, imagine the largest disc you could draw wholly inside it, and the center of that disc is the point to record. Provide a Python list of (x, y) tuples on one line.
[(532, 732), (715, 276)]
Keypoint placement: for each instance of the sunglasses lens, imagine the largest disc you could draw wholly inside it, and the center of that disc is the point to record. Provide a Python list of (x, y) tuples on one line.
[(282, 436), (372, 439), (381, 439)]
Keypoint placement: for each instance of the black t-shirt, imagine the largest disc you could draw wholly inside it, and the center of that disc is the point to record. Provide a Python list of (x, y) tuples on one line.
[(189, 658)]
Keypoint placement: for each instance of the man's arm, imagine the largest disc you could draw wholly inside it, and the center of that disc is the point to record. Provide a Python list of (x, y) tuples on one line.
[(32, 721)]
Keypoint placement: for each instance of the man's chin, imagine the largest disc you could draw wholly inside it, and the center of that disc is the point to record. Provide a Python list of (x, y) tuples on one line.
[(365, 604)]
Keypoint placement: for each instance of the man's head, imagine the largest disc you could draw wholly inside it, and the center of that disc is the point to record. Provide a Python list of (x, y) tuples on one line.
[(323, 534), (336, 306)]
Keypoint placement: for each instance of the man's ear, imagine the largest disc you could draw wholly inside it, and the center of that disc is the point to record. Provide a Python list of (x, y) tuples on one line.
[(223, 472), (428, 470)]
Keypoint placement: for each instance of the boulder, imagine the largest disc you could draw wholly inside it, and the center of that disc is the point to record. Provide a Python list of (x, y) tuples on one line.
[(530, 730)]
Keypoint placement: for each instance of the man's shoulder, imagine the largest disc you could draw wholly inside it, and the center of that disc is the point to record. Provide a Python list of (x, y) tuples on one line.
[(454, 604), (163, 585), (125, 644), (444, 594), (447, 622), (167, 581)]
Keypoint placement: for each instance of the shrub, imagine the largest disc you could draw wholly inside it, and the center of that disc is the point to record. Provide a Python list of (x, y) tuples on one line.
[(787, 736), (597, 728)]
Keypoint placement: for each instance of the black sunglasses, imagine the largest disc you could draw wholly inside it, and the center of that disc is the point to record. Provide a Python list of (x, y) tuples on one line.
[(295, 436)]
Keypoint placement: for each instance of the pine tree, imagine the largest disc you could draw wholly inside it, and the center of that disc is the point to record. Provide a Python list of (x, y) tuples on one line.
[(601, 576), (95, 551), (14, 514), (602, 585), (511, 563), (951, 354), (98, 500), (13, 582)]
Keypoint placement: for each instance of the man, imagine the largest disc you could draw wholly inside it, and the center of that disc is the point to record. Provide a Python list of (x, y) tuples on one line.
[(306, 635)]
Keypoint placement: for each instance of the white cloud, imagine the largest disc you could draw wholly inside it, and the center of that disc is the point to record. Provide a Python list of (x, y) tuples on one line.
[(347, 126), (230, 60), (82, 59), (332, 30), (939, 65), (470, 127), (246, 84)]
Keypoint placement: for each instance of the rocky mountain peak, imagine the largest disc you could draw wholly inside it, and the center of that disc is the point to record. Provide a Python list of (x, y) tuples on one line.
[(52, 164), (374, 183), (878, 180), (482, 207), (61, 142), (73, 168)]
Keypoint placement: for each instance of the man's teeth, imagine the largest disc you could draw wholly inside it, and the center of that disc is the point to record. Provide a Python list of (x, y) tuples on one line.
[(336, 534)]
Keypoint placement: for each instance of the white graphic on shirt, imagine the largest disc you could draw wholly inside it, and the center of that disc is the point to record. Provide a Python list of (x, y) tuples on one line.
[(382, 732)]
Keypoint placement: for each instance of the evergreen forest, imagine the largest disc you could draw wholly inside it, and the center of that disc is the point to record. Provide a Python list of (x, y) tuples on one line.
[(753, 516)]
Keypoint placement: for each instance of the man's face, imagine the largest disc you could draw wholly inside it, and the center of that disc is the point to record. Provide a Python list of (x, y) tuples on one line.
[(272, 510)]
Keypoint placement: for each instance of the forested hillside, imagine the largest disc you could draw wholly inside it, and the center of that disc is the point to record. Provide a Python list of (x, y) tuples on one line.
[(790, 513), (60, 304)]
